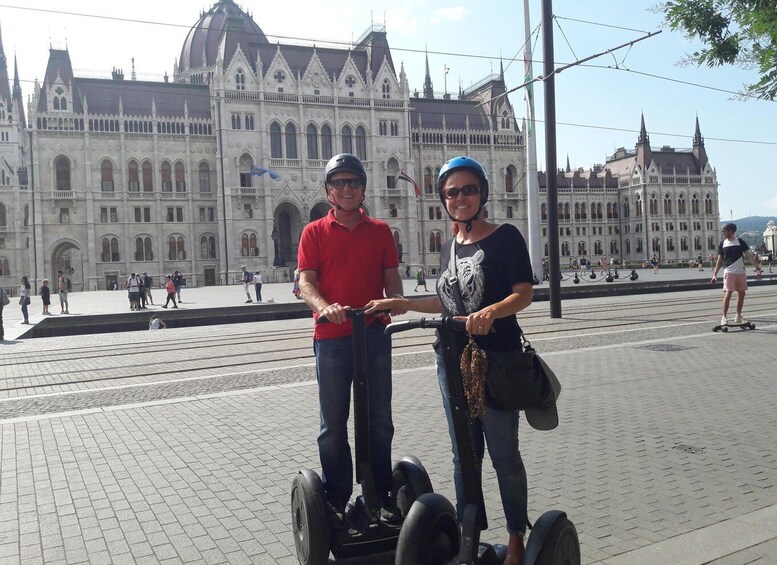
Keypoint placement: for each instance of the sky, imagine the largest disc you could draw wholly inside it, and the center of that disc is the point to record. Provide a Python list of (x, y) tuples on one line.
[(598, 104)]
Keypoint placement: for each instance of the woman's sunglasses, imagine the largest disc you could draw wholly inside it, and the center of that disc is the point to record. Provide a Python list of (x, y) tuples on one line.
[(467, 190)]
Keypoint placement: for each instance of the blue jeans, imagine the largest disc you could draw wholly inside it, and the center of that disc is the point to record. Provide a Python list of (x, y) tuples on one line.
[(499, 428), (24, 311), (334, 372)]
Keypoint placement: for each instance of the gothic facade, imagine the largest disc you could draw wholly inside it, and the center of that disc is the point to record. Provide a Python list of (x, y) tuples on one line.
[(648, 202), (133, 176)]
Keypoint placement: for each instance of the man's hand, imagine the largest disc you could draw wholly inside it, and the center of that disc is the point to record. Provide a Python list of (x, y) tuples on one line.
[(335, 313)]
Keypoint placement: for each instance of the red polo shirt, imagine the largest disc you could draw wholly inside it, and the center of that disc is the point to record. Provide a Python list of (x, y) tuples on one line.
[(350, 264)]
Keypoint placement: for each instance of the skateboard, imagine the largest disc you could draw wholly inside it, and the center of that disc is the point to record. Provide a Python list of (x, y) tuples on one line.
[(742, 326)]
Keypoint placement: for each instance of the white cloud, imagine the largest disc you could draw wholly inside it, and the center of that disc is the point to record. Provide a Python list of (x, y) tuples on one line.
[(453, 14), (400, 21)]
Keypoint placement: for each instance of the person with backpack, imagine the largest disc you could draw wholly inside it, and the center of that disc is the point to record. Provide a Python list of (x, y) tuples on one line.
[(731, 253), (246, 277)]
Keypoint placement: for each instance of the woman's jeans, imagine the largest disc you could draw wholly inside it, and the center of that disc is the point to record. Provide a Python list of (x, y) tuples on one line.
[(24, 311), (500, 429), (334, 371)]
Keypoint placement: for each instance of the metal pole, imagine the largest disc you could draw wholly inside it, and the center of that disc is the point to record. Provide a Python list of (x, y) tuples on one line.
[(550, 158), (532, 184)]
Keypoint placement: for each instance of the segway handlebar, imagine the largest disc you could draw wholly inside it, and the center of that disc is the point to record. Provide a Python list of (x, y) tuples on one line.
[(425, 323), (350, 314)]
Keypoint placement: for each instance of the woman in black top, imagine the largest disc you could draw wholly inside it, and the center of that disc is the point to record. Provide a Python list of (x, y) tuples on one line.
[(495, 278)]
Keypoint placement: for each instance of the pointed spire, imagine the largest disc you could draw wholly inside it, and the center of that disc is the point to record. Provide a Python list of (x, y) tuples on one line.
[(697, 138), (17, 88), (428, 88), (501, 68), (133, 76), (569, 169), (643, 136)]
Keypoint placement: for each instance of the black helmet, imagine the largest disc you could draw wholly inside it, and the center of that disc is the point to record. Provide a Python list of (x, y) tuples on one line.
[(345, 163), (471, 165)]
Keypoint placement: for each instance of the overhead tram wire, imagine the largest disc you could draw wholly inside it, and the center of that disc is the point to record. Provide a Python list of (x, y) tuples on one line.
[(463, 55)]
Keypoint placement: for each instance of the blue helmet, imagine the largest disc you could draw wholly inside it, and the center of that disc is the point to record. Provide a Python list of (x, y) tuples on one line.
[(471, 165)]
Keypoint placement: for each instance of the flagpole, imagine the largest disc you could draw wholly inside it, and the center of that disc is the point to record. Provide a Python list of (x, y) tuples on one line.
[(532, 184)]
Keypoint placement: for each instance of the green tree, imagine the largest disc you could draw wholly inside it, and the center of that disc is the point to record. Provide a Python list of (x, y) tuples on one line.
[(739, 32)]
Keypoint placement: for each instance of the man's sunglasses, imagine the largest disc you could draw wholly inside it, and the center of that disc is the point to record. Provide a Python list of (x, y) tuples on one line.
[(467, 190), (339, 184)]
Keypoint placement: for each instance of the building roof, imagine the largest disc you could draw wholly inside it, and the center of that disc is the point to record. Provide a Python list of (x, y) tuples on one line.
[(431, 112)]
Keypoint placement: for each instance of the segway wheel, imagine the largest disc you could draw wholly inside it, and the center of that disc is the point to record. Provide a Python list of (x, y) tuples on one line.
[(725, 329), (430, 533), (312, 538), (410, 480), (553, 541)]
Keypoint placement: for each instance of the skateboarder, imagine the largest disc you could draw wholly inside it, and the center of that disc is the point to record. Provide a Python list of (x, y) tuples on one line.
[(731, 251)]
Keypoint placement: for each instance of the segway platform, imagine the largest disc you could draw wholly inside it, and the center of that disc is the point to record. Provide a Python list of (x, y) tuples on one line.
[(745, 325)]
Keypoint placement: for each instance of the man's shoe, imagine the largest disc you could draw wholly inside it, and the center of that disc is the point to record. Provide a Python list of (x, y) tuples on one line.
[(248, 302), (390, 513), (165, 306), (738, 319), (723, 320)]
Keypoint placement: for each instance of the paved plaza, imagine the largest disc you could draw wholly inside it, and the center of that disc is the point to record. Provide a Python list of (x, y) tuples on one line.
[(180, 446)]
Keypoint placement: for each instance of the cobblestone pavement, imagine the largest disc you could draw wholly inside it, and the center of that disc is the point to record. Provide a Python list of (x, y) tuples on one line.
[(180, 446)]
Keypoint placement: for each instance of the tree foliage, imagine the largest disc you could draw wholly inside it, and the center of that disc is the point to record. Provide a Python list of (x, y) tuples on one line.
[(740, 32)]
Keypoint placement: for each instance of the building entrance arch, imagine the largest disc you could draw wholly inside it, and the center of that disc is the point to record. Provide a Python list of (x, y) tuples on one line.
[(287, 228), (66, 257)]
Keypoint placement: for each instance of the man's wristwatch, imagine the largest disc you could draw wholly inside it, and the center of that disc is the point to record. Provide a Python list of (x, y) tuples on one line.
[(396, 295)]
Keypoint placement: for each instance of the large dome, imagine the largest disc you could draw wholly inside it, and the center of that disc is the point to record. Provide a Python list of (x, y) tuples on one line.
[(224, 22)]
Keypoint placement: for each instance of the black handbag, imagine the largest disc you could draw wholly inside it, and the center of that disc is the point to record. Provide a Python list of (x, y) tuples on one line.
[(516, 380)]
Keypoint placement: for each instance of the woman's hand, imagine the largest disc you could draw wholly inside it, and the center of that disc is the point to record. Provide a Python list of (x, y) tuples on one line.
[(479, 323)]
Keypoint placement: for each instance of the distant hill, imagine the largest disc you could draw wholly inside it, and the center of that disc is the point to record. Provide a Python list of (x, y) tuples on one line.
[(753, 223), (751, 229)]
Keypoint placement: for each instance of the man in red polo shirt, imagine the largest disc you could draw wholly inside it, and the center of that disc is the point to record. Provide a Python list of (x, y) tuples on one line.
[(346, 259)]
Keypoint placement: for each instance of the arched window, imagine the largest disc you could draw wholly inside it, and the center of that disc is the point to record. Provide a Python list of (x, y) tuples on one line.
[(55, 103), (106, 176), (361, 143), (26, 214), (510, 179), (143, 249), (667, 205), (3, 218), (326, 142), (207, 247), (110, 250), (312, 137), (167, 177), (598, 248), (566, 211), (638, 205), (593, 211), (609, 210), (653, 205), (63, 103), (291, 141), (148, 177), (428, 181), (565, 249), (4, 267), (276, 145), (204, 175), (708, 204), (614, 209), (240, 80), (133, 182), (626, 211), (543, 211), (249, 120), (386, 89), (248, 245), (246, 164), (180, 178), (583, 212), (435, 242), (695, 205), (581, 248), (347, 139), (62, 168), (681, 209), (628, 247), (577, 211), (176, 249)]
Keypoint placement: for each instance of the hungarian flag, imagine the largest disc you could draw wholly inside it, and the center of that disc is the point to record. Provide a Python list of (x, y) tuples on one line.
[(259, 171), (405, 176)]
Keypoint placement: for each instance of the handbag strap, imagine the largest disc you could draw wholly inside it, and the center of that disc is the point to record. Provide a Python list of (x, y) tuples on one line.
[(453, 280)]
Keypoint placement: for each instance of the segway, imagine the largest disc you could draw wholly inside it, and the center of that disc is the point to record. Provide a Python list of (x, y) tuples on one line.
[(364, 533), (431, 534)]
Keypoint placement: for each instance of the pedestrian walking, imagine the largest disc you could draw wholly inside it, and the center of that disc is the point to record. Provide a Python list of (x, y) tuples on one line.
[(178, 282), (420, 279), (24, 299), (258, 285), (45, 295), (170, 288)]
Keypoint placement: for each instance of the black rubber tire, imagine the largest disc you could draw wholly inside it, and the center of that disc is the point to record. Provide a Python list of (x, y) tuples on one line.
[(559, 544), (410, 480), (725, 329), (310, 525), (430, 533)]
